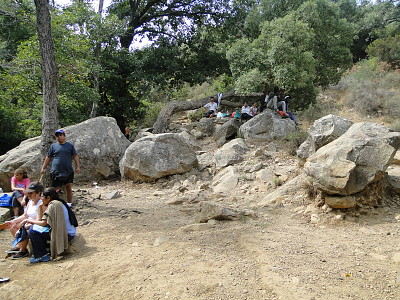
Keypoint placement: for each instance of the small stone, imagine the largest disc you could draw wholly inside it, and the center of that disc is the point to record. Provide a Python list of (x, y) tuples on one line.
[(314, 219), (113, 195), (160, 240)]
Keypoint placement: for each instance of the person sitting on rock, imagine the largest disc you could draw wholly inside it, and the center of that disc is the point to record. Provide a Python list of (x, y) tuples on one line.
[(236, 113), (246, 112), (253, 110), (34, 192), (55, 222), (290, 114), (19, 183), (273, 103), (212, 108)]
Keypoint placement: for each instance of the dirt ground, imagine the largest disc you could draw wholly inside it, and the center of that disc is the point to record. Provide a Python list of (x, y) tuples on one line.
[(135, 249)]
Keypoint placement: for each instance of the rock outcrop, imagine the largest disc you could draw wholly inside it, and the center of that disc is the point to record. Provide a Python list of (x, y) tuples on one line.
[(99, 142), (266, 126), (227, 131), (322, 132), (354, 160), (230, 153), (156, 156)]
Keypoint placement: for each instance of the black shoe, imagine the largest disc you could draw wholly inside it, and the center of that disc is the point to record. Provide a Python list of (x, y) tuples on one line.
[(13, 250), (20, 255)]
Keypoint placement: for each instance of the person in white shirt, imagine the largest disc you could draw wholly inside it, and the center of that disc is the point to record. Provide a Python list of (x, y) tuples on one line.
[(253, 110), (246, 112), (212, 107)]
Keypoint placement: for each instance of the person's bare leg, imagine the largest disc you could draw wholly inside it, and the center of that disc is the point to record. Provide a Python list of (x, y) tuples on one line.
[(13, 231), (16, 211), (22, 245), (68, 189)]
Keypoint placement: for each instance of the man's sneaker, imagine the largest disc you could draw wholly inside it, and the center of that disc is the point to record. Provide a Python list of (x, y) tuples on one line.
[(44, 258), (20, 255)]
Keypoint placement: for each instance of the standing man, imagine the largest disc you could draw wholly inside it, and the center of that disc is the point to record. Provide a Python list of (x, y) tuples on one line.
[(62, 174)]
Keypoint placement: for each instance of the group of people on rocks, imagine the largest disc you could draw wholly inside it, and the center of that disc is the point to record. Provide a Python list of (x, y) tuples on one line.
[(276, 100), (245, 113), (40, 215)]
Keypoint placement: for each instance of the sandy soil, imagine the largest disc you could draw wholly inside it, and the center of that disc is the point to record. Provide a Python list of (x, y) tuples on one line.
[(277, 255)]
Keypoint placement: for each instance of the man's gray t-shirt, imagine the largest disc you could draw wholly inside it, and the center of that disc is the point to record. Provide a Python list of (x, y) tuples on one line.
[(62, 158)]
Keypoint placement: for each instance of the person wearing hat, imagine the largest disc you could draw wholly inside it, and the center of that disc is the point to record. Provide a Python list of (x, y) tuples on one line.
[(34, 192), (61, 154), (56, 222)]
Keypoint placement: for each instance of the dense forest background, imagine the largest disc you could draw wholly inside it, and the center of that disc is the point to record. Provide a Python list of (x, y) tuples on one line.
[(133, 57)]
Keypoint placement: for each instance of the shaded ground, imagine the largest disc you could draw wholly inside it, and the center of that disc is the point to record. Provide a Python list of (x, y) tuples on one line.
[(278, 255)]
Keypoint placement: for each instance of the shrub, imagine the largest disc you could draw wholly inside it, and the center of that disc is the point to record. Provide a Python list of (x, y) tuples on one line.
[(152, 111), (196, 115), (292, 141)]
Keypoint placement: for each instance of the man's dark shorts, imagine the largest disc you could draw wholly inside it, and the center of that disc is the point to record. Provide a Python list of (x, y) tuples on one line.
[(58, 181), (15, 195)]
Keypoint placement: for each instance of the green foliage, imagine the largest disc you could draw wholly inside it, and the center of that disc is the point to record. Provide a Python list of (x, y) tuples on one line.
[(196, 115), (250, 81), (297, 51), (17, 25), (371, 21), (9, 120), (332, 40), (386, 49), (152, 111)]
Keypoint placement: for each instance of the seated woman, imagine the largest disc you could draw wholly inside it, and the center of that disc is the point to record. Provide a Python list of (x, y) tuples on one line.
[(57, 224), (34, 191), (19, 183)]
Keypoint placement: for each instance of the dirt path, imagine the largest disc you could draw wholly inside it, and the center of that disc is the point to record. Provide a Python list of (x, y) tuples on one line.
[(278, 255)]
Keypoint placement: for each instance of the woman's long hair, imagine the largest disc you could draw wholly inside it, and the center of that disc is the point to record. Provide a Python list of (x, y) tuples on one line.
[(51, 192)]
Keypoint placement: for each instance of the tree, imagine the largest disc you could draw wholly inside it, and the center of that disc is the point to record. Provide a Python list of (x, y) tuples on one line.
[(15, 27), (50, 114), (370, 22), (298, 52), (153, 18), (332, 41)]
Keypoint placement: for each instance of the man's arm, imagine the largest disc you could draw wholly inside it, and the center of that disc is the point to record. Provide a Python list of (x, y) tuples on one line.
[(77, 163), (45, 163)]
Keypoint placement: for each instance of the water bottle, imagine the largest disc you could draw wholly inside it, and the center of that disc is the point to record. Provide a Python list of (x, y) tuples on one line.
[(1, 192)]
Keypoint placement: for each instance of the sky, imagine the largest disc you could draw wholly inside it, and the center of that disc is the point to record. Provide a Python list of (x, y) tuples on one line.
[(136, 43)]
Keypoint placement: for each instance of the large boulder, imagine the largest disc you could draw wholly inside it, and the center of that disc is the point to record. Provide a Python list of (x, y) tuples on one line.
[(351, 162), (156, 156), (190, 140), (230, 153), (99, 142), (266, 126), (206, 126), (227, 131), (322, 132)]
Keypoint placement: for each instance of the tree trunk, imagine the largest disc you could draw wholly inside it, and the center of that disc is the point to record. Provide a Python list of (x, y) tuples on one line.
[(50, 101), (161, 124), (96, 75)]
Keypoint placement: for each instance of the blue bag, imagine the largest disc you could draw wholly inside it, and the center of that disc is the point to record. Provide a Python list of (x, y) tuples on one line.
[(5, 200)]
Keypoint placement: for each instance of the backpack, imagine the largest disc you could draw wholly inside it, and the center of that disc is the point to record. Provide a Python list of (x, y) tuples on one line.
[(71, 214)]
